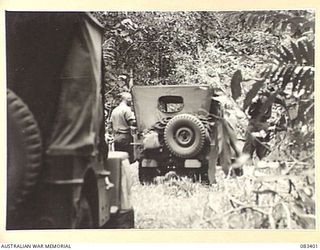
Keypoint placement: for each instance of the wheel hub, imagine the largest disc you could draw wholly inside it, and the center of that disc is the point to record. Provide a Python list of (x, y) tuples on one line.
[(184, 136)]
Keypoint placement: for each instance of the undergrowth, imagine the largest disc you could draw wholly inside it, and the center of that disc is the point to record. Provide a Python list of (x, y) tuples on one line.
[(265, 197)]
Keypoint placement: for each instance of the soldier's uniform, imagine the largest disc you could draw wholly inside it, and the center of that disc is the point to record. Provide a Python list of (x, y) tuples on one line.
[(257, 124), (121, 118)]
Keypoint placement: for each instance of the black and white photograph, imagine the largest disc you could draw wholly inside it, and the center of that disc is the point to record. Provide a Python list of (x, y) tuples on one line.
[(200, 120)]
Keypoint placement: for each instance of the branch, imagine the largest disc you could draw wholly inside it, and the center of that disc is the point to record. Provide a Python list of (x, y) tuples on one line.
[(234, 200), (286, 209), (296, 161), (113, 88), (271, 219), (245, 207), (267, 191)]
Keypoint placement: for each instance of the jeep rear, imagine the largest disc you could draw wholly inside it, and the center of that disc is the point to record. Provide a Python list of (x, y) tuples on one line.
[(176, 131)]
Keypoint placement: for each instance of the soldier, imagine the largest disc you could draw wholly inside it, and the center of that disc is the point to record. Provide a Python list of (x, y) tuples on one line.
[(257, 132), (122, 118)]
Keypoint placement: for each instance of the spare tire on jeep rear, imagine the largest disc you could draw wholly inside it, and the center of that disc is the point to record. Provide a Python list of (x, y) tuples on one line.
[(185, 135)]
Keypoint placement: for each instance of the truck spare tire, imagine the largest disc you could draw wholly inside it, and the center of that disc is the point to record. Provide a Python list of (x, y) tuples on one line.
[(24, 151), (185, 135)]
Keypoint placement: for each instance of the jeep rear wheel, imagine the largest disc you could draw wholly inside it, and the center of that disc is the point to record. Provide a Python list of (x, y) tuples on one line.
[(185, 135), (24, 152), (147, 174)]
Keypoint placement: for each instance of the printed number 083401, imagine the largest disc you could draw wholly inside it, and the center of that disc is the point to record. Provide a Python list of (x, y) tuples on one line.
[(308, 246)]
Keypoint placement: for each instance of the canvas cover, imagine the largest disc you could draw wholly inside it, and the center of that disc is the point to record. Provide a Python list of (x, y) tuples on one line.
[(80, 110), (37, 45), (146, 101), (54, 64)]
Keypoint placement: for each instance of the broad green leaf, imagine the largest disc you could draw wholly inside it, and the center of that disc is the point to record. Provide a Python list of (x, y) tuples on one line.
[(235, 84), (225, 155), (252, 93)]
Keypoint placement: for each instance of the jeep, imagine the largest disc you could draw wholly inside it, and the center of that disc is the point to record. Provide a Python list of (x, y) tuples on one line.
[(181, 129)]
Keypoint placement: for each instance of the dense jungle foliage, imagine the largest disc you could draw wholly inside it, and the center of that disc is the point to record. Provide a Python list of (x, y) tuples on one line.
[(241, 54)]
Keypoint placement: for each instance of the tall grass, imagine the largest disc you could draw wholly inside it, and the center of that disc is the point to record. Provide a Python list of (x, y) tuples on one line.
[(252, 201)]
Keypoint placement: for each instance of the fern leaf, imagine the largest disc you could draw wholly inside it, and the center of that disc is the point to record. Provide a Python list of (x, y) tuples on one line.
[(310, 25), (289, 55), (297, 20), (303, 51), (269, 19), (296, 79), (282, 16), (275, 24), (296, 52), (304, 79), (310, 51), (279, 75), (261, 20), (283, 56), (255, 20), (309, 84), (274, 73), (284, 25), (287, 76), (277, 57), (250, 20)]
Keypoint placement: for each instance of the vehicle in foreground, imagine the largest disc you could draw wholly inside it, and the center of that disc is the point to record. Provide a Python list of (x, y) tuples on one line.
[(59, 172)]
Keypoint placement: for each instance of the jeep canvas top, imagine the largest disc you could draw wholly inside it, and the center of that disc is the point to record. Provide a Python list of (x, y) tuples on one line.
[(152, 103)]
